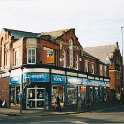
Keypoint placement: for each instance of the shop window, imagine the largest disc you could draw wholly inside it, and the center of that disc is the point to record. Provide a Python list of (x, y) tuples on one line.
[(49, 55), (72, 95), (57, 91), (31, 55)]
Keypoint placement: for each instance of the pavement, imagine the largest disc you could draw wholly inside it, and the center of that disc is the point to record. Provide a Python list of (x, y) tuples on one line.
[(16, 112)]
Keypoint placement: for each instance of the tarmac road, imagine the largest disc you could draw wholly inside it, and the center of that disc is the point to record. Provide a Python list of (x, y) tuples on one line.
[(111, 115)]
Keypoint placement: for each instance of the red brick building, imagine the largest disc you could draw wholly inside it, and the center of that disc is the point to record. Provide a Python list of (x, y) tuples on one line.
[(110, 54), (42, 66)]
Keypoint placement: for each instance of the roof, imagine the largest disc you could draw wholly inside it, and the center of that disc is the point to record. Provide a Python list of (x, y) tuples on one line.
[(55, 34), (19, 34), (88, 55), (103, 53)]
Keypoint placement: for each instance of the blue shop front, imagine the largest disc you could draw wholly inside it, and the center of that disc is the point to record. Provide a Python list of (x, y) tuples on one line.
[(58, 86), (41, 86)]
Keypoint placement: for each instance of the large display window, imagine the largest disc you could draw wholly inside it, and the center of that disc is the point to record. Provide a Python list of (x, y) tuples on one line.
[(82, 92), (36, 98), (57, 91), (72, 95)]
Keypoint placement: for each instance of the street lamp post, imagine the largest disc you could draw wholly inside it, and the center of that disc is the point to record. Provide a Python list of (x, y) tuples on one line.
[(122, 27)]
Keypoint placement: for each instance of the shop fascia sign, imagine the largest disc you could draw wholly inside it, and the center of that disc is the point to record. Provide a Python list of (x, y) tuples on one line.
[(71, 74), (90, 77), (74, 80), (85, 81), (37, 77), (57, 78), (96, 78), (35, 70), (57, 71), (15, 76), (101, 83), (105, 79), (101, 79), (82, 75)]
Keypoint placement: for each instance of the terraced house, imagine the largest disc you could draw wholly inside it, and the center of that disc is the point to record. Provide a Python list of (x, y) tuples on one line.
[(35, 68), (110, 54)]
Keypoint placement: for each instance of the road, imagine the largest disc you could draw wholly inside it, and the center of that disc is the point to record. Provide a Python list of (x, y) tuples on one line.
[(114, 115)]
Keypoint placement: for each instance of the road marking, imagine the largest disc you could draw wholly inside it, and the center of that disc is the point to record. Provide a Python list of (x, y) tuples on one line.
[(58, 122), (79, 122)]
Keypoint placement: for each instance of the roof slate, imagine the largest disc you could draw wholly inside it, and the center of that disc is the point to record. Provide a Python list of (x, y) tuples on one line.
[(19, 34), (103, 53), (55, 34)]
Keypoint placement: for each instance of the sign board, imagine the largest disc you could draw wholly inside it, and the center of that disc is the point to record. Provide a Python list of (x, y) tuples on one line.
[(90, 77), (37, 77), (106, 79), (58, 79), (71, 74), (74, 80), (82, 75), (96, 78), (57, 71)]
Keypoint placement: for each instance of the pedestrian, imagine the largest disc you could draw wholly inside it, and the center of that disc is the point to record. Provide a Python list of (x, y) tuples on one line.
[(58, 106)]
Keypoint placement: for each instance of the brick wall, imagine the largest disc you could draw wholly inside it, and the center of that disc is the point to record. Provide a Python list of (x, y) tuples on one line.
[(64, 42), (4, 89), (40, 53)]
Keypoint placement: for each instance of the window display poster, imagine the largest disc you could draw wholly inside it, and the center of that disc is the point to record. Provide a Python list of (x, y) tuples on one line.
[(50, 55)]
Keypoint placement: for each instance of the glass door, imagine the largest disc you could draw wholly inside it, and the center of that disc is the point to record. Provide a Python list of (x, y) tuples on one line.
[(35, 98)]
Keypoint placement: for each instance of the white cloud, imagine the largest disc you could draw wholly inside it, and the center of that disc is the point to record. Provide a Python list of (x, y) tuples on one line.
[(96, 21)]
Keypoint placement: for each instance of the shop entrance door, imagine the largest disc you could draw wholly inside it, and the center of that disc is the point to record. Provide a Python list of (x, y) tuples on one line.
[(35, 98)]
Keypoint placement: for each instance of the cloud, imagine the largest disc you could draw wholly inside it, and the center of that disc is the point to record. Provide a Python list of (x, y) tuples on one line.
[(96, 21)]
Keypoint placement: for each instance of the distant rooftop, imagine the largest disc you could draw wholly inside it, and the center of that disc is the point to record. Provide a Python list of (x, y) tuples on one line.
[(19, 34), (103, 53), (55, 34)]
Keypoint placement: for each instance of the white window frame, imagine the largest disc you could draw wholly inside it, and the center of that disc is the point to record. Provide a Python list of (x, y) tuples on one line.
[(93, 68), (77, 62), (86, 66), (64, 58), (31, 55), (17, 60), (71, 53)]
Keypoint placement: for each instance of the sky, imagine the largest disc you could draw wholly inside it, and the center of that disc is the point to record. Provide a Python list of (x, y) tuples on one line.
[(97, 22)]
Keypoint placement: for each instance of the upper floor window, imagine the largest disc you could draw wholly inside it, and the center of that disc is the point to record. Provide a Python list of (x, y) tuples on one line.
[(105, 70), (92, 68), (86, 66), (31, 55), (64, 54), (71, 53), (77, 62), (16, 57), (101, 69)]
